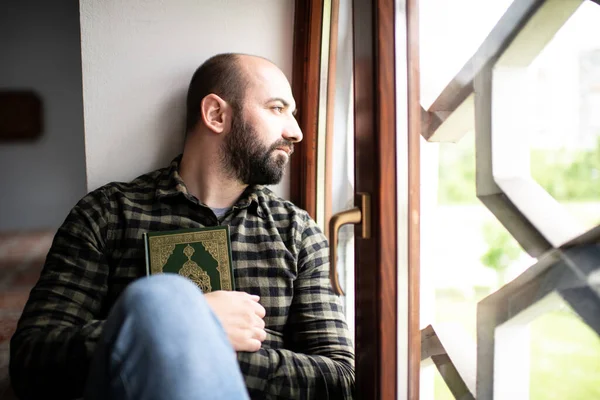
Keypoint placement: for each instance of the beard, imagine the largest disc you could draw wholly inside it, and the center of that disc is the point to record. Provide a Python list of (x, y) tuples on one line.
[(248, 160)]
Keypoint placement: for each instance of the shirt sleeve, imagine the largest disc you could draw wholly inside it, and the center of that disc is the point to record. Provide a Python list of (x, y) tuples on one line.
[(318, 362), (51, 349)]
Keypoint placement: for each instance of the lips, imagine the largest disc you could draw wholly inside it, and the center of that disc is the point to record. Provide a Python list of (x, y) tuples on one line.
[(288, 150)]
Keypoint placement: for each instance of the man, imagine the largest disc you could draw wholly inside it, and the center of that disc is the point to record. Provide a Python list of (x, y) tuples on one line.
[(87, 328)]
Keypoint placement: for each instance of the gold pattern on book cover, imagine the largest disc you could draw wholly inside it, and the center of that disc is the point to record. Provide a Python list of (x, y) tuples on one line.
[(194, 272), (164, 254), (215, 243)]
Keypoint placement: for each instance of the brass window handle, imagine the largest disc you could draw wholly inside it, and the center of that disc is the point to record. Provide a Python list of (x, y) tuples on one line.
[(361, 214)]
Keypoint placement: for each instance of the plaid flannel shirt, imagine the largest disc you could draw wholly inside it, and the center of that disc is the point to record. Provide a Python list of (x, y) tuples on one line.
[(279, 253)]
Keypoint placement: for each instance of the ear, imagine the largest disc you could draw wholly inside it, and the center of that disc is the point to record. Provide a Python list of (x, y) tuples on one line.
[(216, 113)]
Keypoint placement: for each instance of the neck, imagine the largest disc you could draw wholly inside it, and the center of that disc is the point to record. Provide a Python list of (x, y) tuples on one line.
[(205, 177)]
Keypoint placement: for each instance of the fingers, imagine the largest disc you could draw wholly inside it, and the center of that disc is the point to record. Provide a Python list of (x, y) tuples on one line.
[(258, 322), (251, 340), (252, 297), (255, 305), (259, 334), (242, 318), (259, 310), (251, 346)]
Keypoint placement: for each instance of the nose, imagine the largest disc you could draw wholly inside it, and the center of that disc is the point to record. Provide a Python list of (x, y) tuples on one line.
[(292, 131)]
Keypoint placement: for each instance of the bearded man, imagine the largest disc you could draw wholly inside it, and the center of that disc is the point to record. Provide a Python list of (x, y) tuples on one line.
[(95, 326)]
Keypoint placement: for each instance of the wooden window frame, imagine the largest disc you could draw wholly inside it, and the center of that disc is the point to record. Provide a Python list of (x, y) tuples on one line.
[(308, 21), (377, 286)]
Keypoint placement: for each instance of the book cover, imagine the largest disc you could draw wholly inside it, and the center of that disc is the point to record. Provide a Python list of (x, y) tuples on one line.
[(202, 255)]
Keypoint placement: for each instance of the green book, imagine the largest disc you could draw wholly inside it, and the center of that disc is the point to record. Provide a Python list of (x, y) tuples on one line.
[(202, 255)]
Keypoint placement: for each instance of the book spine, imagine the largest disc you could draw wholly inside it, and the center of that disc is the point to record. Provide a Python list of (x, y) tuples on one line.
[(146, 253), (230, 256)]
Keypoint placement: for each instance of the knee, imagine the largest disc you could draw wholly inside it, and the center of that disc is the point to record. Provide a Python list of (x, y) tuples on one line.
[(152, 309), (167, 292)]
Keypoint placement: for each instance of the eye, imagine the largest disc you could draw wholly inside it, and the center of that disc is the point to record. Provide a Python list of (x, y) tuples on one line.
[(278, 109)]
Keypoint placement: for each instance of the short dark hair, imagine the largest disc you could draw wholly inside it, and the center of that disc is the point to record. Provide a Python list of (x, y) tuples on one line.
[(221, 75)]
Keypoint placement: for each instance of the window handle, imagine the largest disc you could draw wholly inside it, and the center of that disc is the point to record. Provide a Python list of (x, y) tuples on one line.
[(361, 214)]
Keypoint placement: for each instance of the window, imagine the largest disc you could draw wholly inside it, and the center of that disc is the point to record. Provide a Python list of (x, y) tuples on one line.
[(517, 266)]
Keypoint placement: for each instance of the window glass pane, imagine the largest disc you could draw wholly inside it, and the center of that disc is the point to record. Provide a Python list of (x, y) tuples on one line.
[(546, 351), (451, 31), (441, 389), (473, 254), (565, 357), (466, 254), (564, 118), (438, 390), (342, 175)]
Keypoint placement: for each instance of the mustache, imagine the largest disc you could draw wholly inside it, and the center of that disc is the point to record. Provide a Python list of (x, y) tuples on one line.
[(282, 144)]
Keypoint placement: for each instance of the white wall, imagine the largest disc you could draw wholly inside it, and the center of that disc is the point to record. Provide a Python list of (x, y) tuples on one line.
[(40, 50), (138, 58)]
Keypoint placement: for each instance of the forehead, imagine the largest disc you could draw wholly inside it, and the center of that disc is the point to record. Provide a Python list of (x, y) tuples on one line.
[(266, 81)]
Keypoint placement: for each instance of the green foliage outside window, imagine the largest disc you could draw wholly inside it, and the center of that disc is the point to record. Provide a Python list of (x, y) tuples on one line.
[(568, 175), (503, 250), (563, 349)]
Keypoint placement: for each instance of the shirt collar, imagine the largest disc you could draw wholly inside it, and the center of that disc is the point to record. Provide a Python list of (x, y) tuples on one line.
[(170, 184)]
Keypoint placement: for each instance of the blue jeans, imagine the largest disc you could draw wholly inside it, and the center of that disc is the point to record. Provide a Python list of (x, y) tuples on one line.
[(161, 341)]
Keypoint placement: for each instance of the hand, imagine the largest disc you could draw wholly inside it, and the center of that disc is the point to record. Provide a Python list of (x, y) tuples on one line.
[(241, 316)]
